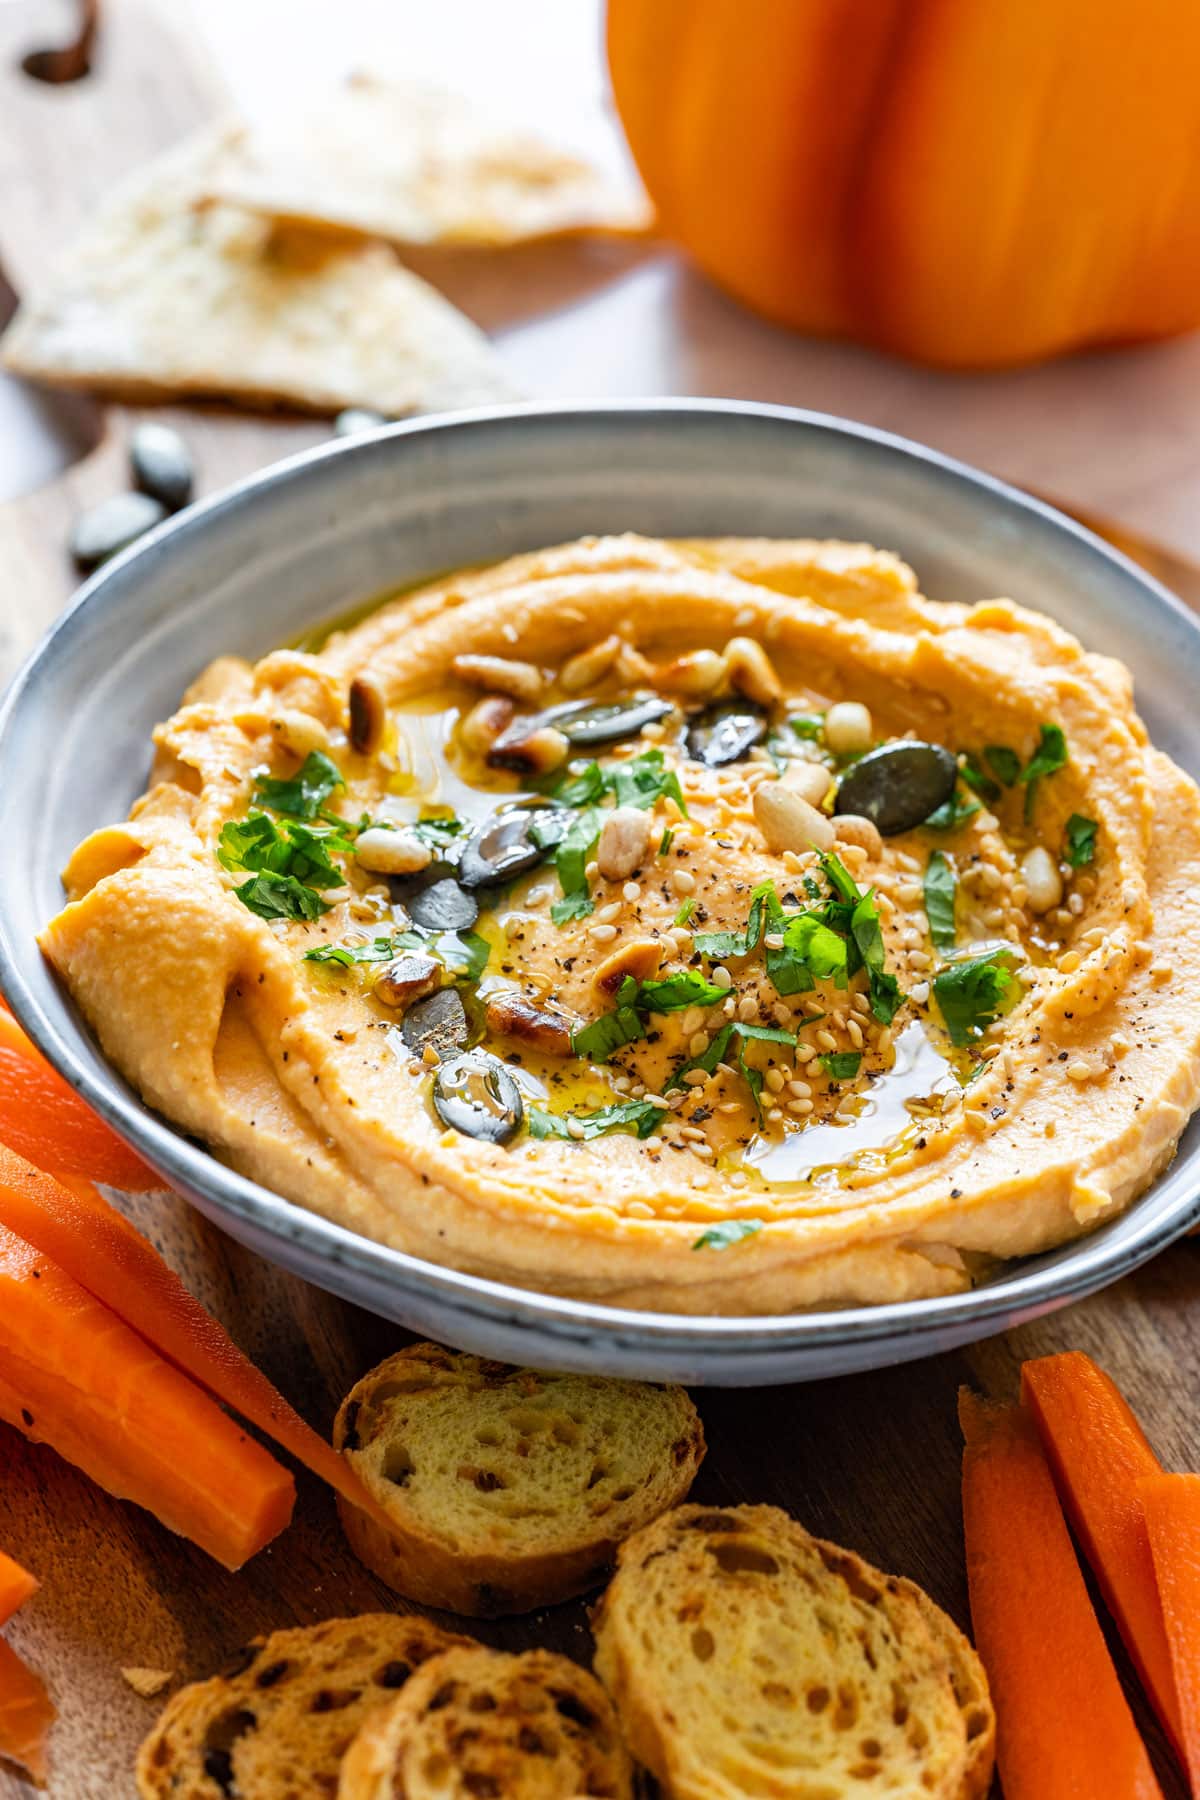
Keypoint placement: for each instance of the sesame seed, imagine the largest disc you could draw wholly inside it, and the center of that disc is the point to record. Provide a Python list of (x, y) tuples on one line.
[(683, 881), (856, 1033), (826, 1041), (602, 934), (918, 993), (574, 1127), (721, 977), (1075, 905), (607, 915), (774, 1080), (691, 1021), (695, 1078), (631, 891), (773, 940), (800, 1089), (800, 1109), (591, 873), (698, 1043), (747, 1007)]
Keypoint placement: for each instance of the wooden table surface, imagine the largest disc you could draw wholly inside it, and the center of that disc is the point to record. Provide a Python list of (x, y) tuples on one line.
[(872, 1460)]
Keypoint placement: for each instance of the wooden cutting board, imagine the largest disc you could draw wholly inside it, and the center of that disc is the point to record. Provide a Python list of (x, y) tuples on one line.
[(871, 1461)]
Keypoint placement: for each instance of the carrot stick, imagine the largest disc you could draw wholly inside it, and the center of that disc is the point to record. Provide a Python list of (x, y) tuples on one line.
[(16, 1586), (42, 1117), (1064, 1729), (26, 1715), (101, 1250), (1171, 1510), (74, 1376), (1099, 1454)]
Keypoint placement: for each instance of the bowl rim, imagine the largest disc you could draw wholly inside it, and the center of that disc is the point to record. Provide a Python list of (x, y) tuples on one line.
[(1022, 1292)]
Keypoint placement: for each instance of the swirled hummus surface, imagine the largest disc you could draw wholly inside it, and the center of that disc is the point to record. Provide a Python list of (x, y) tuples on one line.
[(716, 926)]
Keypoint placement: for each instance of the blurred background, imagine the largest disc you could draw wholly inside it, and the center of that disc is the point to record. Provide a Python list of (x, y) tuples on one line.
[(791, 117)]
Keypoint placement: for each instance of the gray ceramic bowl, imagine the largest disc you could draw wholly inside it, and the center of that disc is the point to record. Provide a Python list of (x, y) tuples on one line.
[(304, 540)]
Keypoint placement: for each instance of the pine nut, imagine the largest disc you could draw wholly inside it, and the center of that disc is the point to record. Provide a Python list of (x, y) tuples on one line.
[(699, 672), (862, 833), (386, 852), (487, 720), (811, 780), (590, 666), (368, 714), (501, 675), (751, 671), (789, 823), (624, 843), (1043, 883), (848, 728), (299, 732)]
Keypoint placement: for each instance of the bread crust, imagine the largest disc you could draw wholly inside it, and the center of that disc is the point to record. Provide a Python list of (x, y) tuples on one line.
[(529, 1727), (738, 1649), (480, 1564), (280, 1719)]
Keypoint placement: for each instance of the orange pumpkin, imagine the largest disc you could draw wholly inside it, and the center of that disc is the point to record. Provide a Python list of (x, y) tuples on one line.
[(971, 183)]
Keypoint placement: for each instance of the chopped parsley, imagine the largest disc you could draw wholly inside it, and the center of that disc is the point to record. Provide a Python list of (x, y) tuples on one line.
[(940, 892), (727, 1232), (830, 941), (436, 833), (717, 945), (952, 813), (1079, 840), (1047, 759), (289, 862), (1004, 763), (675, 993), (972, 994), (571, 858), (280, 897), (464, 953), (626, 1024), (304, 794), (975, 777), (639, 783), (733, 1036), (346, 956), (641, 1117), (807, 725), (643, 780), (842, 1065)]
